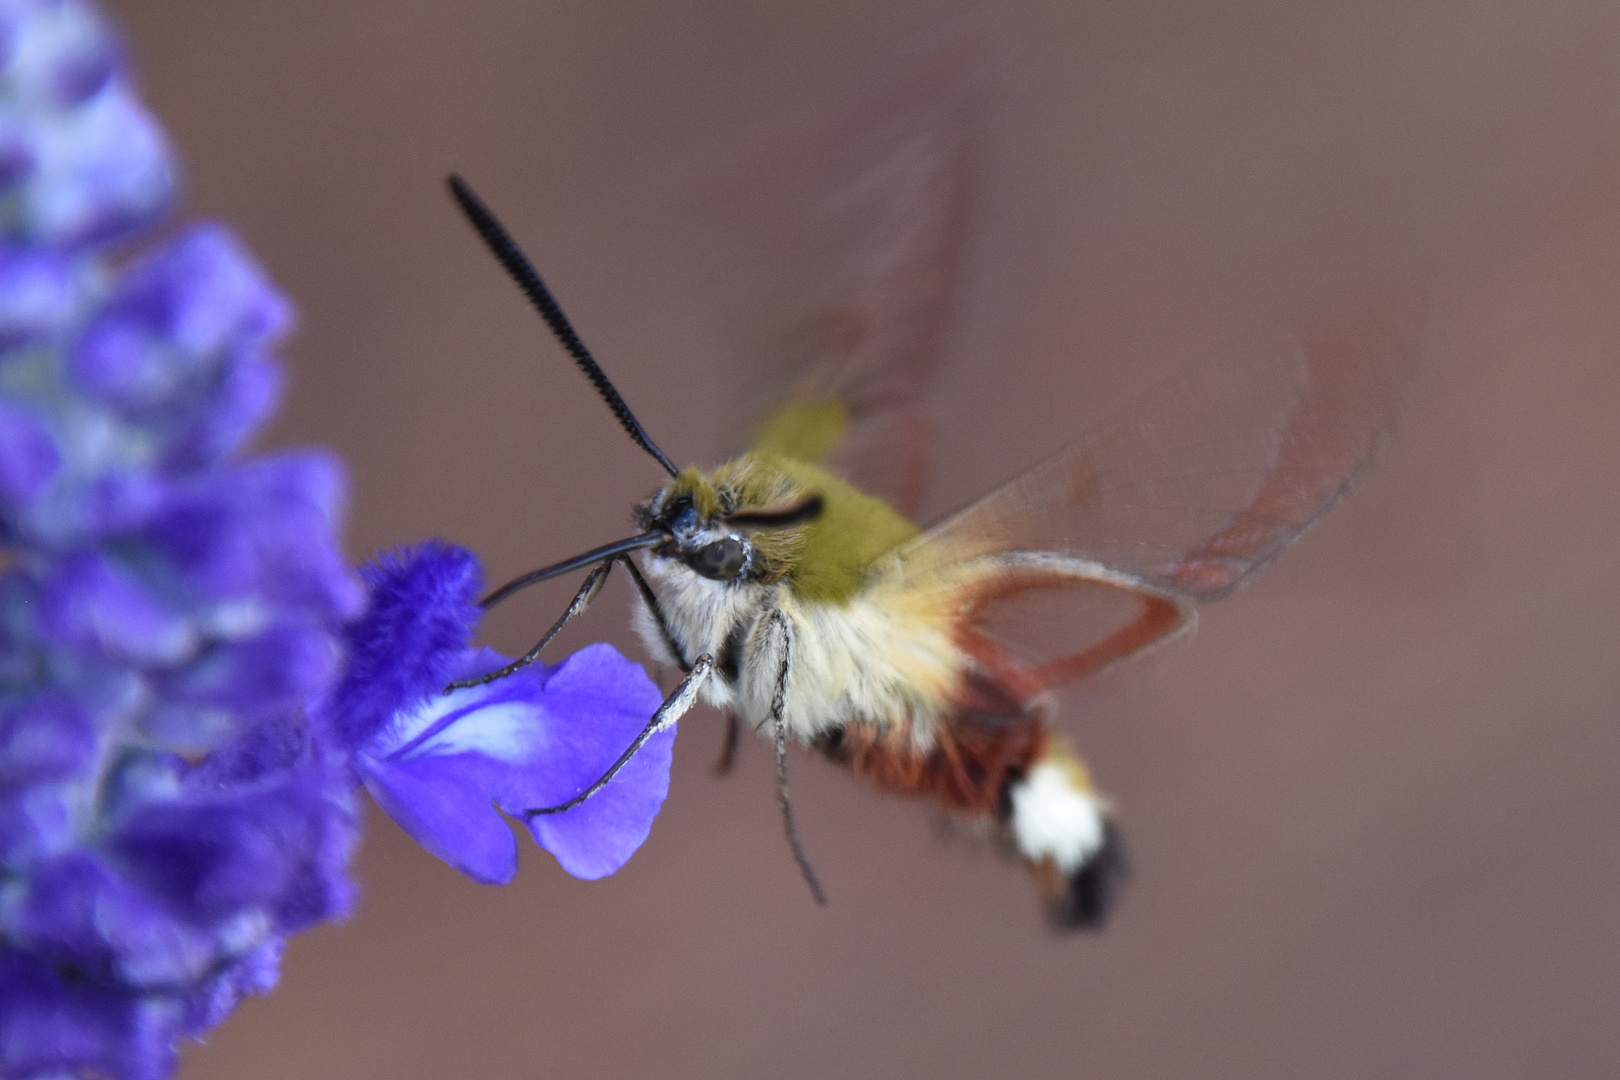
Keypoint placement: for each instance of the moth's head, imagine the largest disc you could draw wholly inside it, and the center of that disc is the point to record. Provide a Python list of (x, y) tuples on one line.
[(743, 522)]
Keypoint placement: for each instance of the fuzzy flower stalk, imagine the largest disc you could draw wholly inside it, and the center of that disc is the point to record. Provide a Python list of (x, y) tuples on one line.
[(193, 683), (167, 606)]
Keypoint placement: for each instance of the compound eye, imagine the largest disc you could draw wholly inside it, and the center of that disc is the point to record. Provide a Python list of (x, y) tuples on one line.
[(721, 560)]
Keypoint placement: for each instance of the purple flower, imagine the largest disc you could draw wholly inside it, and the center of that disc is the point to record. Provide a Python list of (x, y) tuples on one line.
[(168, 610), (445, 766), (192, 681), (81, 162)]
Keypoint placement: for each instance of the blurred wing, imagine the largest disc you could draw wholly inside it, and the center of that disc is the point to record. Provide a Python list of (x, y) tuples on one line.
[(845, 260), (1104, 548)]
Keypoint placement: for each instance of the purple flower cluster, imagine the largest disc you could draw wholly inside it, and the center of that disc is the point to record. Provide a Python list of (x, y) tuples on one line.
[(192, 682), (167, 608)]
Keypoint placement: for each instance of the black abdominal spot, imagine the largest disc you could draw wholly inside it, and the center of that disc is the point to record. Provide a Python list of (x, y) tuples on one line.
[(1092, 890), (731, 652), (831, 743), (1004, 803)]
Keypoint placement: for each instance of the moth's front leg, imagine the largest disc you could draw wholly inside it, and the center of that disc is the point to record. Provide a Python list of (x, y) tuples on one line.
[(779, 629), (582, 600), (674, 707), (650, 598)]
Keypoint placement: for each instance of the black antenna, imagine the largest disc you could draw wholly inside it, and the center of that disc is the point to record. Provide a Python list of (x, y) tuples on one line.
[(505, 249)]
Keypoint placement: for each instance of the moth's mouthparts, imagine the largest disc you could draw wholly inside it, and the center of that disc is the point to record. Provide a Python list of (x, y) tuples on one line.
[(595, 555)]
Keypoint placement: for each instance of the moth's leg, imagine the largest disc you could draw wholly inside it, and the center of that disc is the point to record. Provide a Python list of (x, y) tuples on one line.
[(582, 600), (728, 748), (674, 707), (779, 729), (651, 601)]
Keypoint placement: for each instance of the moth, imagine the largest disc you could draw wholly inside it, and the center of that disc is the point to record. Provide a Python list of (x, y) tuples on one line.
[(793, 591)]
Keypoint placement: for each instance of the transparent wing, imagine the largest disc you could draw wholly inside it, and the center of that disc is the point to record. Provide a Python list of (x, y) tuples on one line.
[(1179, 498), (843, 262)]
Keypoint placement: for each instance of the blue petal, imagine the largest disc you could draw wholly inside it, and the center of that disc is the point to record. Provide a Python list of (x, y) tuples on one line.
[(270, 673), (532, 739), (599, 702), (244, 398), (53, 1027), (255, 973), (212, 857), (436, 768), (28, 453), (77, 911), (262, 528), (38, 293), (64, 56), (100, 171), (36, 821), (38, 39), (177, 316), (282, 749), (43, 738), (443, 803), (91, 602)]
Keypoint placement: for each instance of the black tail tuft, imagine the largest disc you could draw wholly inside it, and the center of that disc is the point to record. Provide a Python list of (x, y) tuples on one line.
[(1091, 891)]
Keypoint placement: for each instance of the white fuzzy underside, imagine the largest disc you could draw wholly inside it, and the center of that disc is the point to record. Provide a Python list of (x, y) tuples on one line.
[(854, 661), (1053, 820)]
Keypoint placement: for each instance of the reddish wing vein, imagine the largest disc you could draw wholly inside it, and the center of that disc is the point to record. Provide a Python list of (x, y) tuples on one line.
[(1185, 494)]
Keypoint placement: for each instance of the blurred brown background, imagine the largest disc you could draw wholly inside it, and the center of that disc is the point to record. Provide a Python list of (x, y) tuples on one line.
[(1373, 805)]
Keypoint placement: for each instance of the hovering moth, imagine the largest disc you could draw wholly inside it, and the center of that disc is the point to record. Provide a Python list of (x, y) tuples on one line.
[(794, 592)]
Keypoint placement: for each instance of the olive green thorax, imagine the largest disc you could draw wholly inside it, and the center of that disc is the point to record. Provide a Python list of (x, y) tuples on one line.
[(827, 559)]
